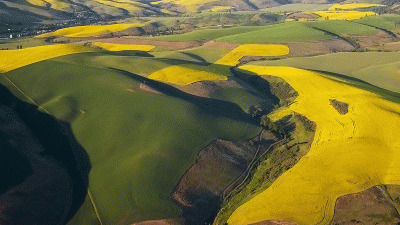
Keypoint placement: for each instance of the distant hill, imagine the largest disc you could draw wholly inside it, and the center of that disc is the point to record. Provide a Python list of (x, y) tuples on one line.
[(37, 10)]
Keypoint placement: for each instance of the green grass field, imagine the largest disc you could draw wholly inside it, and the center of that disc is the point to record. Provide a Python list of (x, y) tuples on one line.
[(208, 34), (25, 42), (139, 143), (342, 27), (377, 68), (210, 55), (296, 7), (284, 32), (239, 96), (388, 22)]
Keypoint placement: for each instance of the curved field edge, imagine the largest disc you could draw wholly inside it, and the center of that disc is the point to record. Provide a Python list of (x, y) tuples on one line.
[(89, 30), (377, 68), (126, 153), (335, 164), (13, 59)]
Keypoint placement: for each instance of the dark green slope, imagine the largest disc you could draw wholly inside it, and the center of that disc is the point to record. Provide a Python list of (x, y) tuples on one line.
[(139, 143)]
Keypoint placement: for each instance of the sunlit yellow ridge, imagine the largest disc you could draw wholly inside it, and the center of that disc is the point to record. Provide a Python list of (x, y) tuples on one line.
[(186, 74), (350, 152), (233, 57), (13, 59), (122, 47), (90, 30)]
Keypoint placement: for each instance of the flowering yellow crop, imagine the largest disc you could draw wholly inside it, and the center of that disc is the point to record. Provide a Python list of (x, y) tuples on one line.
[(233, 57), (13, 59), (352, 6), (54, 4), (343, 15), (87, 31), (122, 47), (184, 75), (350, 152)]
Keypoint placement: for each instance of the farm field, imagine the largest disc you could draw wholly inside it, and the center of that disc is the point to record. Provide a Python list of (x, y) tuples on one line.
[(202, 112), (352, 6), (112, 158), (13, 59), (87, 31), (286, 32), (122, 47), (377, 68), (343, 145)]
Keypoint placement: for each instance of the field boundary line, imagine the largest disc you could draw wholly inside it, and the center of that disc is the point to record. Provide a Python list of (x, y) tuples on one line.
[(40, 107)]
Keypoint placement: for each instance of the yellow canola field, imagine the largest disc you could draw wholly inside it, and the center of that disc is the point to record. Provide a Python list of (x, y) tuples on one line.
[(350, 152), (352, 6), (343, 15), (123, 47), (233, 57), (55, 4), (90, 30), (184, 75), (13, 59)]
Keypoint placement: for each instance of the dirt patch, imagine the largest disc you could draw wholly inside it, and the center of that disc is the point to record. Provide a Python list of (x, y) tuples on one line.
[(145, 87), (371, 206), (374, 40), (174, 45), (316, 48), (301, 15), (216, 44), (387, 47), (341, 107), (207, 88), (218, 165)]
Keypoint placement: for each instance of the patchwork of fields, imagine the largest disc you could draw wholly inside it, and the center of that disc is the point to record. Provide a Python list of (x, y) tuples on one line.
[(318, 93)]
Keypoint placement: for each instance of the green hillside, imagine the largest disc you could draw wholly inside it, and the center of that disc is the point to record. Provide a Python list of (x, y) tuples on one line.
[(139, 143)]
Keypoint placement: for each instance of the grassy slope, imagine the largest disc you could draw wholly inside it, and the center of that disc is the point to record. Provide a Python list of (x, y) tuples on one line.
[(208, 34), (210, 55), (343, 145), (297, 7), (239, 96), (285, 32), (382, 21), (340, 27), (24, 42), (139, 143), (377, 68)]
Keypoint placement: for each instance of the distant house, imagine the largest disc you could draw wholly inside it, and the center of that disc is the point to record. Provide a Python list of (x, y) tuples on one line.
[(11, 36)]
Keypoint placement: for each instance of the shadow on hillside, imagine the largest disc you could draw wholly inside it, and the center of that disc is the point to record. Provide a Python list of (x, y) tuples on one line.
[(261, 86), (208, 106), (37, 180)]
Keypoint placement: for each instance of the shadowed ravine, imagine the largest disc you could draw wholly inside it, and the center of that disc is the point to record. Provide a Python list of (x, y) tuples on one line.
[(44, 171)]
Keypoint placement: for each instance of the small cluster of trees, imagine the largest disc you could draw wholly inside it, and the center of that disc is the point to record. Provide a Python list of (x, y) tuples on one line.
[(19, 46), (267, 124)]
